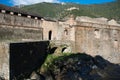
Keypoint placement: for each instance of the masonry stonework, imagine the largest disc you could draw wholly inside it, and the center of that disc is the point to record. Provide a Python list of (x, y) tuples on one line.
[(99, 41), (15, 28), (50, 29), (94, 36), (4, 60)]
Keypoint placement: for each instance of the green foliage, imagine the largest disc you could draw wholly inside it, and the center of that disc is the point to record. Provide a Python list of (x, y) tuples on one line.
[(50, 58), (59, 11)]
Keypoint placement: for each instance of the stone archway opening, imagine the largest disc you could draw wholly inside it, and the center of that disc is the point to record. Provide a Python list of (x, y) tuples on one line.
[(52, 50), (63, 49), (50, 35)]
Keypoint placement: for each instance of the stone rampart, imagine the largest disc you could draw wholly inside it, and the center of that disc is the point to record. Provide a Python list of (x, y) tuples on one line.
[(103, 40), (13, 27), (4, 60)]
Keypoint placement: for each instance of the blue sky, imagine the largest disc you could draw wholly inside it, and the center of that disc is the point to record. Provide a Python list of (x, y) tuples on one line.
[(27, 2), (6, 2), (87, 1)]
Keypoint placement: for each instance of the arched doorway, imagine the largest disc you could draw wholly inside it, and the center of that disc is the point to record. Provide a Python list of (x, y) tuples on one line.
[(50, 35)]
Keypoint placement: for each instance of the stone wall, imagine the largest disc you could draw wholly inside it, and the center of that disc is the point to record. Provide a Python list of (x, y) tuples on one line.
[(14, 28), (50, 30), (60, 30), (94, 36), (66, 31), (61, 46), (103, 40), (4, 60), (17, 34), (18, 28), (19, 21)]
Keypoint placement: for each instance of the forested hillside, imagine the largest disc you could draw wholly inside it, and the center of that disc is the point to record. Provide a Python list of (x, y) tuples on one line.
[(109, 10)]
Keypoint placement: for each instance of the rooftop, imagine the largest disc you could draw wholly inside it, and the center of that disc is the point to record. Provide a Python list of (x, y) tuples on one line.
[(18, 10)]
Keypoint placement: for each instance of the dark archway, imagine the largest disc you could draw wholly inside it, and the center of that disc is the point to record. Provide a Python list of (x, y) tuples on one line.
[(63, 49), (52, 50), (50, 35)]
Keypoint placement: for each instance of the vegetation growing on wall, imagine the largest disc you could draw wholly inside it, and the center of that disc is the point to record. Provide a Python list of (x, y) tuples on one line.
[(50, 58)]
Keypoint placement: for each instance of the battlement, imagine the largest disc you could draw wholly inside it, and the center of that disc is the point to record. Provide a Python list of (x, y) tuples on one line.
[(16, 11)]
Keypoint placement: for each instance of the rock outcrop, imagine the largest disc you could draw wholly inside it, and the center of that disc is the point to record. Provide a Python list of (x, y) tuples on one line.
[(82, 67)]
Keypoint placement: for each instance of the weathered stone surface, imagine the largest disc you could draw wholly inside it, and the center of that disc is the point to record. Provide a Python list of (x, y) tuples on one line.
[(8, 19), (62, 46), (4, 60), (68, 30), (113, 22), (16, 28), (97, 40), (17, 34), (101, 20), (90, 35), (50, 30), (92, 20)]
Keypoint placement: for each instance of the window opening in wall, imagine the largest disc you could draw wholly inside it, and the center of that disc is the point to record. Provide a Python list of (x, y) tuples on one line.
[(66, 32), (116, 43), (50, 35), (96, 29), (97, 33)]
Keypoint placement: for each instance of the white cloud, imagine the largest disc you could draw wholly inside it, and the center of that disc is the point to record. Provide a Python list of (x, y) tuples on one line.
[(27, 2)]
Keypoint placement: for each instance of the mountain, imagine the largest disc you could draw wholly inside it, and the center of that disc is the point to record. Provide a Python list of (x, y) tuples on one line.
[(109, 10)]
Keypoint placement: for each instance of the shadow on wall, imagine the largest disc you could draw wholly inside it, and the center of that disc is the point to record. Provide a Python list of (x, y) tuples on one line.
[(26, 58), (82, 67)]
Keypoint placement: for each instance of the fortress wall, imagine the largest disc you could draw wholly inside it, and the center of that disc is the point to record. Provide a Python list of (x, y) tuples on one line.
[(18, 34), (50, 29), (66, 32), (60, 30), (13, 27), (99, 41), (4, 60), (15, 20)]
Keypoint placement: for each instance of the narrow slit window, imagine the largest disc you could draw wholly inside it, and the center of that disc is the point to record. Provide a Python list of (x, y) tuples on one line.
[(66, 32)]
